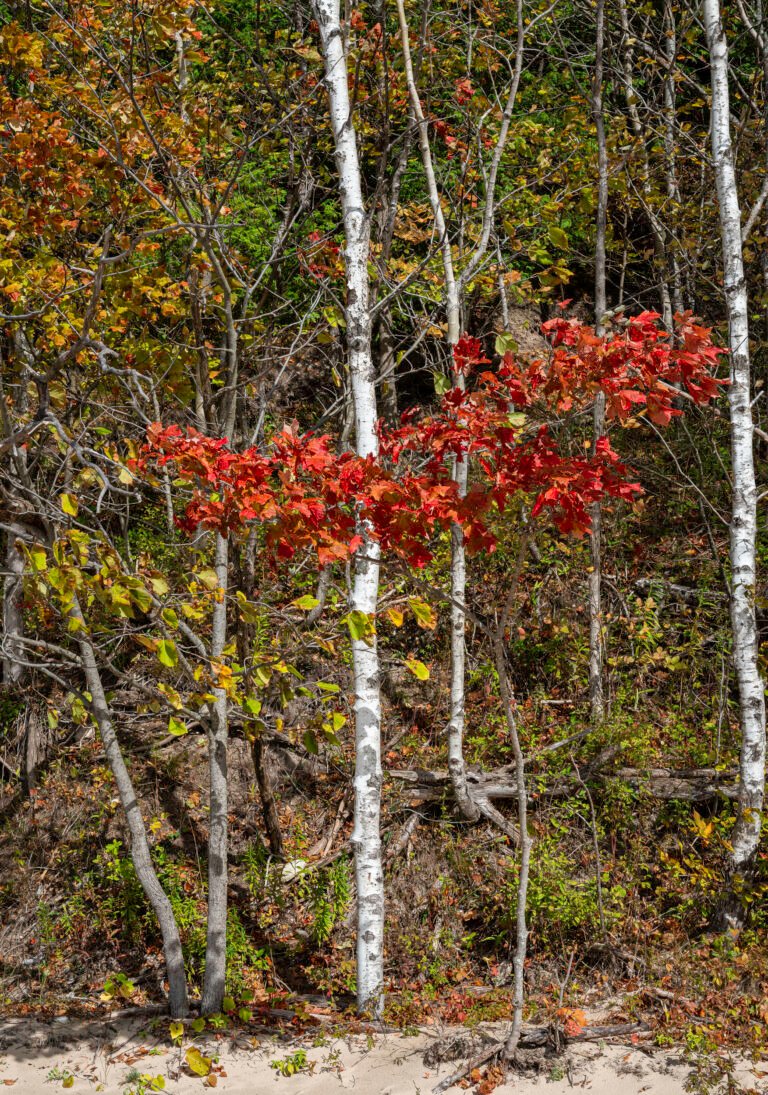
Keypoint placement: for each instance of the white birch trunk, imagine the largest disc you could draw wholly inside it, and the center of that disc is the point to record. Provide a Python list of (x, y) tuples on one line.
[(456, 764), (366, 836), (596, 691), (746, 833)]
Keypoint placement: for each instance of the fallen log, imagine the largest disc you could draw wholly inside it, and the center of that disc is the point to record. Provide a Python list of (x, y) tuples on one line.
[(665, 784)]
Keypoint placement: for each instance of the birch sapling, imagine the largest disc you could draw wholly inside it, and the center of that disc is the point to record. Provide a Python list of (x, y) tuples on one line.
[(366, 834), (746, 833), (596, 690)]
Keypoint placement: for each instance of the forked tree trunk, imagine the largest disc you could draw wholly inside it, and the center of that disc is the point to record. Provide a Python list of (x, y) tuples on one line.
[(746, 834), (366, 836), (218, 838), (178, 1004)]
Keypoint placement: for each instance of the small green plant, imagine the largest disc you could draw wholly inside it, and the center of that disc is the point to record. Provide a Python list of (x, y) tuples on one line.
[(118, 987), (142, 1083), (60, 1074), (289, 1066), (328, 895)]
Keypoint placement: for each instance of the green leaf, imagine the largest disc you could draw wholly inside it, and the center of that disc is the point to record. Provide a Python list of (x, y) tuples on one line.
[(69, 504), (306, 603), (167, 653), (558, 237), (141, 598), (207, 576), (252, 705), (228, 1004), (426, 616), (505, 344), (177, 727), (198, 1024), (170, 617), (38, 558), (442, 383), (310, 742), (361, 626), (196, 1062), (418, 668), (327, 686)]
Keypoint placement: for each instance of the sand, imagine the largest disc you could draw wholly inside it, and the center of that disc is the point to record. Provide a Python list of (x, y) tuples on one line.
[(41, 1056)]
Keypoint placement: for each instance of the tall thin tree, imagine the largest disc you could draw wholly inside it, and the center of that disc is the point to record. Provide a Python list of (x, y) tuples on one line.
[(746, 834)]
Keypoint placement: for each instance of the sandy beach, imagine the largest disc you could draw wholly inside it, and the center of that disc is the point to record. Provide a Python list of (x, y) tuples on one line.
[(112, 1056)]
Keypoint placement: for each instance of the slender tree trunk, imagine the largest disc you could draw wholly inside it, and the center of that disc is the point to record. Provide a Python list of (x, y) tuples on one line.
[(657, 230), (746, 834), (670, 150), (267, 796), (366, 834), (456, 765), (13, 619), (596, 690), (218, 874), (140, 854)]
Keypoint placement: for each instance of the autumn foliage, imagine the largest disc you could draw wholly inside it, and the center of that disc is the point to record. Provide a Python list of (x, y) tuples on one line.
[(310, 496)]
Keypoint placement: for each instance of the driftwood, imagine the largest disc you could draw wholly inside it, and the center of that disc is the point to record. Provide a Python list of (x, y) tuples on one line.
[(666, 784), (534, 1037)]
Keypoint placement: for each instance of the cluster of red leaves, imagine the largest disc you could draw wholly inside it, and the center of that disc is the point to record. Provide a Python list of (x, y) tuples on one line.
[(309, 496), (636, 365)]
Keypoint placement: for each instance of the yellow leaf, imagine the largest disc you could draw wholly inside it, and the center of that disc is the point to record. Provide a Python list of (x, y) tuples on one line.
[(418, 669), (69, 504), (395, 616), (196, 1062), (426, 616)]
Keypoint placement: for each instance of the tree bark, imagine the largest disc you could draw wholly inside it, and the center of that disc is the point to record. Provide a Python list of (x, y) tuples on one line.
[(366, 835), (596, 691), (267, 795), (178, 1004), (746, 834), (218, 835), (13, 620)]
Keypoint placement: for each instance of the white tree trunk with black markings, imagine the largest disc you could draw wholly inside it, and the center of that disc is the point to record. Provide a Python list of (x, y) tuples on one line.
[(596, 689), (366, 836), (746, 833)]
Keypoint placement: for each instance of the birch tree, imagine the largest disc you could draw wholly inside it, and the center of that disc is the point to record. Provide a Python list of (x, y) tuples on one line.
[(366, 837), (596, 692), (743, 530), (471, 806)]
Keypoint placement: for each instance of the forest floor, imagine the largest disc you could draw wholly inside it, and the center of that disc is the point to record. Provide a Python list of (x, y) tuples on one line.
[(132, 1055)]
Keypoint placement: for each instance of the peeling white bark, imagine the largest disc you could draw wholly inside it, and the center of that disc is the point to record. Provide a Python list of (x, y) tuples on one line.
[(596, 691), (366, 836), (746, 833)]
